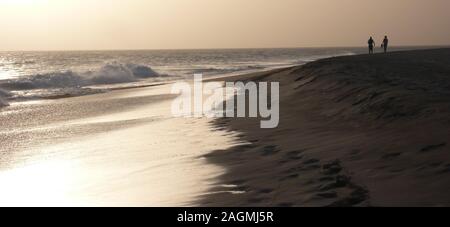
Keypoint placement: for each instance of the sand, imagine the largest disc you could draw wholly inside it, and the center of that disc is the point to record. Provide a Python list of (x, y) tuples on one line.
[(121, 148), (354, 131)]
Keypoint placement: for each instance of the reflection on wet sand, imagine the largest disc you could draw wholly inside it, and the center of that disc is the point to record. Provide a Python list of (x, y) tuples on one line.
[(135, 155)]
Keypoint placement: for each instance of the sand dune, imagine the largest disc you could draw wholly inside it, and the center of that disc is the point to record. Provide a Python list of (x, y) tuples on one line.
[(354, 131)]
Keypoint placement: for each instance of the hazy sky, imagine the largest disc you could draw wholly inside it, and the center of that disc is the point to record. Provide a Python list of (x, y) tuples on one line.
[(174, 24)]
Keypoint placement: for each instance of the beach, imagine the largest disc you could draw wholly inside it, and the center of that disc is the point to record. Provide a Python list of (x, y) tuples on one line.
[(366, 130), (363, 130)]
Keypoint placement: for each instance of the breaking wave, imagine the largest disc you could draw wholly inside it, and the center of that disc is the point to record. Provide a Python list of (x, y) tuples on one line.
[(112, 73)]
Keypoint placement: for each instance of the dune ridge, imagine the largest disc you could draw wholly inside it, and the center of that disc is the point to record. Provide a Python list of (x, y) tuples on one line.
[(366, 130)]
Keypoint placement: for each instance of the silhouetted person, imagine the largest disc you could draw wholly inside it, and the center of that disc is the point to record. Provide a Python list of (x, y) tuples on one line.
[(371, 43), (385, 44)]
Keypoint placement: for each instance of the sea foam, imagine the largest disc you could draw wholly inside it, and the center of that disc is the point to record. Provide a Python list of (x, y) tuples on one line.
[(111, 73)]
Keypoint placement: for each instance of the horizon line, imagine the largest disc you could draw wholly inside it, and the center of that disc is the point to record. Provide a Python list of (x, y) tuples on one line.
[(231, 48)]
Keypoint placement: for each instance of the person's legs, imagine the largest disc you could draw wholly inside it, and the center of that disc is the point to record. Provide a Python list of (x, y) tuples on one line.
[(385, 48)]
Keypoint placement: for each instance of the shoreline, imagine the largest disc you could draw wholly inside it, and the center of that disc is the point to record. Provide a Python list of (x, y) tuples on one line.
[(121, 148), (354, 131), (364, 130)]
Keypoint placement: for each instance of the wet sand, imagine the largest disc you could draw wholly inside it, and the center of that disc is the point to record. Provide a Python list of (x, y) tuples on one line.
[(354, 131), (121, 148)]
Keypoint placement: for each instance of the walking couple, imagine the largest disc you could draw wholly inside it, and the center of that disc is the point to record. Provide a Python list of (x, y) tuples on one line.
[(384, 45)]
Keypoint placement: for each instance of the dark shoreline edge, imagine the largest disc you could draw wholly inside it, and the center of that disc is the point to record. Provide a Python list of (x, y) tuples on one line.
[(365, 130)]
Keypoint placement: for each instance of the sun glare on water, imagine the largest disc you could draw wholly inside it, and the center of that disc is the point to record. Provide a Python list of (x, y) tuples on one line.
[(42, 184)]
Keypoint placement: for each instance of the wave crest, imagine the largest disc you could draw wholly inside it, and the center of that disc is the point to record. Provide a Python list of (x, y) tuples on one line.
[(111, 73)]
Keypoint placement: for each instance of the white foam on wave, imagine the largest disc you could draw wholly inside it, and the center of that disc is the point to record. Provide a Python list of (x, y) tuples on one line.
[(111, 73)]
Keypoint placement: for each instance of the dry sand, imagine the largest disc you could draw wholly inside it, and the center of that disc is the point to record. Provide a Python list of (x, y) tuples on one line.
[(369, 130)]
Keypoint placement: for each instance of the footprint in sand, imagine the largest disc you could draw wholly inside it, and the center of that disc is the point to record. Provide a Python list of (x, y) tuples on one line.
[(337, 182), (292, 156), (332, 168), (295, 155), (358, 196), (270, 150)]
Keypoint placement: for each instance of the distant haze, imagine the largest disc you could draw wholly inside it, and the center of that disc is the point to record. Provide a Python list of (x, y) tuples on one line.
[(190, 24)]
